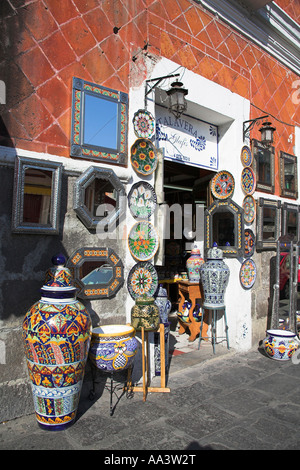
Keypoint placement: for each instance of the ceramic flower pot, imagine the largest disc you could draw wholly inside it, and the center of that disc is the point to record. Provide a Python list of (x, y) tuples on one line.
[(145, 314), (113, 347), (280, 344), (56, 335), (214, 277), (193, 265)]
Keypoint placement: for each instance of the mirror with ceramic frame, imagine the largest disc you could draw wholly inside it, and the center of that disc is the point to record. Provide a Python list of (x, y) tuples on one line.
[(98, 273), (224, 225)]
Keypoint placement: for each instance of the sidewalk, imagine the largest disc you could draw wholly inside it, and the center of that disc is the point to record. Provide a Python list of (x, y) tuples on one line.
[(237, 401)]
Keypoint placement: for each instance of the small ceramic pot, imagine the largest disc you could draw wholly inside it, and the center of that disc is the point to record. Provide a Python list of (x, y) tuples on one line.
[(113, 347), (280, 344), (145, 313)]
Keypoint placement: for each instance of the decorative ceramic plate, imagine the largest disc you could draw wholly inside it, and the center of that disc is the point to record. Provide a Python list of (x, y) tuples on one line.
[(246, 156), (249, 242), (143, 156), (143, 124), (249, 207), (142, 200), (222, 185), (248, 180), (248, 273), (143, 241), (142, 280)]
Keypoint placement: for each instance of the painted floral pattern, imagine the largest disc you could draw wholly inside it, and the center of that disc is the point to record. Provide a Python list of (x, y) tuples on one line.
[(143, 124), (142, 200), (143, 241), (144, 156)]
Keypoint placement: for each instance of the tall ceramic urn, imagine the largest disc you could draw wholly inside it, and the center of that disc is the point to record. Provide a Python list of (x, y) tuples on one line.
[(56, 334), (214, 277)]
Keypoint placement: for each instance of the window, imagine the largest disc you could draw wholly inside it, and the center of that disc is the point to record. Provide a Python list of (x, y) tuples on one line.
[(288, 175), (99, 123), (263, 166)]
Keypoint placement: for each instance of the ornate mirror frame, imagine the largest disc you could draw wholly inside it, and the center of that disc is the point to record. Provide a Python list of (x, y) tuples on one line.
[(103, 255), (91, 221), (291, 160), (261, 243), (22, 164), (79, 148), (237, 250), (288, 208), (257, 147)]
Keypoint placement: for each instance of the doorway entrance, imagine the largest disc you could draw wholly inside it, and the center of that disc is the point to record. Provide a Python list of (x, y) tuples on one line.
[(187, 194)]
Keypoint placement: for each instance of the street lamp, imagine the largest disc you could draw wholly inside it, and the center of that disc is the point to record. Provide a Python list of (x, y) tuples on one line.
[(177, 102), (267, 134)]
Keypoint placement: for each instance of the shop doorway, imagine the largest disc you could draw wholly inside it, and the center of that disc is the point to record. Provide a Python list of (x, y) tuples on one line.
[(186, 190)]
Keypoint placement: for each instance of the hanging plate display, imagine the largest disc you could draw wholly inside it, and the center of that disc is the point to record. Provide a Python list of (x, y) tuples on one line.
[(143, 124), (143, 156), (249, 242), (142, 280), (143, 241), (249, 207), (248, 273), (248, 180), (246, 156), (222, 185), (142, 200)]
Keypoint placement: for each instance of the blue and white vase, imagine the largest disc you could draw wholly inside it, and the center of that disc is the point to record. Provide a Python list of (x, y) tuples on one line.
[(214, 277), (163, 303)]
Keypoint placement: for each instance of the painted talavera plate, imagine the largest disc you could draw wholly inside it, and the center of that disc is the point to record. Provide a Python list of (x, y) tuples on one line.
[(142, 200), (249, 207), (143, 241), (142, 280), (248, 273), (249, 242), (246, 156), (143, 124), (222, 185), (248, 180), (143, 157)]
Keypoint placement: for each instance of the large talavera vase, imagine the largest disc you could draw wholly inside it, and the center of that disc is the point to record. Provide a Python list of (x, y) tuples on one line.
[(163, 303), (214, 277), (56, 333)]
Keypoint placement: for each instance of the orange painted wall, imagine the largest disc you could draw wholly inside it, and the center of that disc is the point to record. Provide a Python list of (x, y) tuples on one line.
[(44, 43)]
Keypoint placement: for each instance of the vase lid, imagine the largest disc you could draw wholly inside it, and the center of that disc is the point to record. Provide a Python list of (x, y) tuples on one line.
[(58, 280), (215, 253), (195, 250), (161, 291)]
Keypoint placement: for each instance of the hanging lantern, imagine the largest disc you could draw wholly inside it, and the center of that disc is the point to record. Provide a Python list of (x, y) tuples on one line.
[(267, 132), (177, 102)]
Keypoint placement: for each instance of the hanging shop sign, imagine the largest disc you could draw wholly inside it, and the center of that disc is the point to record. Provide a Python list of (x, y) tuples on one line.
[(187, 140)]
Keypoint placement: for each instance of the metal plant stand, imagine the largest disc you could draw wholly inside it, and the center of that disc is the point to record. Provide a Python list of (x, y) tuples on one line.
[(111, 388)]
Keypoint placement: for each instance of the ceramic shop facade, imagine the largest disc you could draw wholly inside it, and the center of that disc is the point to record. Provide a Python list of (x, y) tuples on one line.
[(53, 57)]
